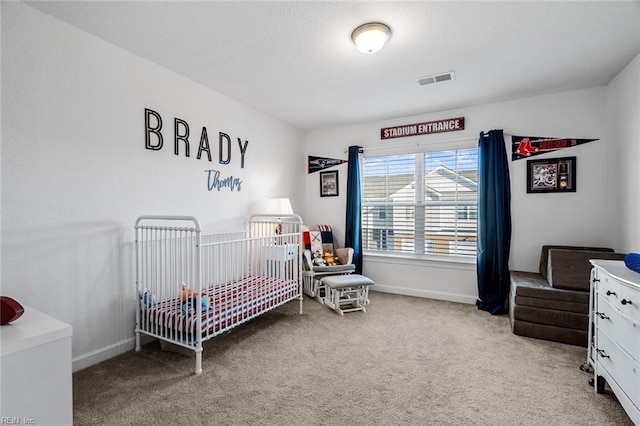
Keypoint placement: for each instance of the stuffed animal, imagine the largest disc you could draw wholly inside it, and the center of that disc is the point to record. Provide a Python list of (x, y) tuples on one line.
[(330, 259), (189, 306), (187, 293), (318, 260), (189, 299), (147, 297)]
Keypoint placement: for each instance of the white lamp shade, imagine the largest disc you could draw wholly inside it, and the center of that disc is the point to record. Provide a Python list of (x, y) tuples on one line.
[(278, 206), (370, 38)]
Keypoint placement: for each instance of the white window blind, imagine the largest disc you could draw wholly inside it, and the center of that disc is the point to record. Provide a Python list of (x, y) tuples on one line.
[(421, 203)]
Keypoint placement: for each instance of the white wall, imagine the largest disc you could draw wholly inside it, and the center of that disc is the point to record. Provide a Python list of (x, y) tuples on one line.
[(76, 174), (623, 127), (580, 218)]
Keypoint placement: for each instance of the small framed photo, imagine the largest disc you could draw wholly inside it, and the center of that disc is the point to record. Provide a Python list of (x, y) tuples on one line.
[(329, 184), (551, 175)]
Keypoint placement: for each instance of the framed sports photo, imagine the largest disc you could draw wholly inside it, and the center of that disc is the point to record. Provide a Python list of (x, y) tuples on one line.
[(551, 175), (329, 184)]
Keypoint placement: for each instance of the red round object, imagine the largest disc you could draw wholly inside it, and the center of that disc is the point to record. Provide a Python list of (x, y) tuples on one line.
[(10, 310)]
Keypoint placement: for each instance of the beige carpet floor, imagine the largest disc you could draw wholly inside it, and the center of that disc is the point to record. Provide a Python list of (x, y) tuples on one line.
[(407, 361)]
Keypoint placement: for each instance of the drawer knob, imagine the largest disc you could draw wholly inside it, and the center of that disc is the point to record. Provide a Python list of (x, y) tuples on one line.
[(609, 293), (602, 315), (602, 354), (595, 280), (626, 302)]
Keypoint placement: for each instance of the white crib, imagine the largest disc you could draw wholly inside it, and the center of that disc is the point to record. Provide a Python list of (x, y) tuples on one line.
[(192, 287)]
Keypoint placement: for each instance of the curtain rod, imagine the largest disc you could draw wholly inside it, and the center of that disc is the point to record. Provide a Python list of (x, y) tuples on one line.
[(507, 133), (421, 143)]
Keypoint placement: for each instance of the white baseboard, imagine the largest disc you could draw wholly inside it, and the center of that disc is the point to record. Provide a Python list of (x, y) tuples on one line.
[(428, 294), (86, 360)]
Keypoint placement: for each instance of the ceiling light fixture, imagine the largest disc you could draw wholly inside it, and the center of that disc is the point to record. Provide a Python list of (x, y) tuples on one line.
[(371, 37)]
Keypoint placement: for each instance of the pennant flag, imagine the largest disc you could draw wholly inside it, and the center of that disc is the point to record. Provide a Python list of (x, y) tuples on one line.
[(318, 163), (529, 146)]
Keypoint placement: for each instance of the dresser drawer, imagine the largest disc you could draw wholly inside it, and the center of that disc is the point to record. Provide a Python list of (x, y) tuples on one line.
[(630, 302), (620, 329), (609, 288), (624, 370)]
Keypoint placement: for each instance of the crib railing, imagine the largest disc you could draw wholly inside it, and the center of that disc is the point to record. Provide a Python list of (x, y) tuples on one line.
[(184, 278), (167, 255)]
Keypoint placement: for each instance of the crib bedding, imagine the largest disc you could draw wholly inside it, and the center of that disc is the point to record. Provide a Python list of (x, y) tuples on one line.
[(231, 303)]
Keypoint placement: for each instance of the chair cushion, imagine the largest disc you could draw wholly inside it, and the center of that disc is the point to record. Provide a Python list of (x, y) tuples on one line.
[(334, 269), (552, 317), (538, 310), (544, 254), (531, 284), (571, 270), (570, 336), (557, 305), (344, 255), (345, 281)]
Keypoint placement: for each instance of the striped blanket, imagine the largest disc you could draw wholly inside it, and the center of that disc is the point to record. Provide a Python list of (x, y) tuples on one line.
[(230, 304)]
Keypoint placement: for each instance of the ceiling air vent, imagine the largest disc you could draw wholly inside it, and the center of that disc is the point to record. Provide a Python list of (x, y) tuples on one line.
[(438, 78)]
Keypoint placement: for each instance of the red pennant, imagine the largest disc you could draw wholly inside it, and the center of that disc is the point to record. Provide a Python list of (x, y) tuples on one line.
[(530, 146)]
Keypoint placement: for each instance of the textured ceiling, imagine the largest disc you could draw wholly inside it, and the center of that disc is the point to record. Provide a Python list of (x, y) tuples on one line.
[(295, 60)]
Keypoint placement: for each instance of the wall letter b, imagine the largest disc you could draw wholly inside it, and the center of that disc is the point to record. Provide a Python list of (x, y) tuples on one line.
[(155, 130)]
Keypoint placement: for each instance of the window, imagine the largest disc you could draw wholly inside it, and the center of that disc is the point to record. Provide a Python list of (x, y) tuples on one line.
[(421, 203)]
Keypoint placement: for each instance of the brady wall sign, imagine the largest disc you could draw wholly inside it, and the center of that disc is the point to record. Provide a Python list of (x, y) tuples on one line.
[(154, 140), (427, 128)]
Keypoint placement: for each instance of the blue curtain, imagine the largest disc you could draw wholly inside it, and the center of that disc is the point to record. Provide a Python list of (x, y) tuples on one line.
[(353, 234), (494, 223)]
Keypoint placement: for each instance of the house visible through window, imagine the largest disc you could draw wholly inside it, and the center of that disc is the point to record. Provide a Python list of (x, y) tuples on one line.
[(421, 203)]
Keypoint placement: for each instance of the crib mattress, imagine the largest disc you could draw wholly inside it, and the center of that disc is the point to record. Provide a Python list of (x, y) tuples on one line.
[(232, 303)]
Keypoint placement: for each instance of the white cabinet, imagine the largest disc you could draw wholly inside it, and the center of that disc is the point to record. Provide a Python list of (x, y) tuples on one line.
[(35, 370), (615, 347)]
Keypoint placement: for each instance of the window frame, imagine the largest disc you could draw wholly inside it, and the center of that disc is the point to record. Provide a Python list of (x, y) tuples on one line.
[(419, 227)]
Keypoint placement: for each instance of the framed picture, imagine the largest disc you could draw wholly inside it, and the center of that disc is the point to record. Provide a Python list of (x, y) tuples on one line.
[(329, 184), (551, 175)]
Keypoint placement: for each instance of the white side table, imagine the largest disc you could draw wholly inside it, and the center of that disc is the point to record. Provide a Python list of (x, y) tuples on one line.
[(35, 370)]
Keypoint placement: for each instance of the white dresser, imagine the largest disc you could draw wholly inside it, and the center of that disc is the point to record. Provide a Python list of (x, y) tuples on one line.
[(616, 332), (35, 371)]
